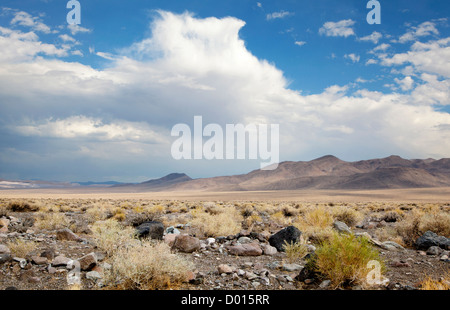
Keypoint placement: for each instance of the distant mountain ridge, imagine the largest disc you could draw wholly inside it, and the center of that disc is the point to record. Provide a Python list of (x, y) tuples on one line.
[(327, 172)]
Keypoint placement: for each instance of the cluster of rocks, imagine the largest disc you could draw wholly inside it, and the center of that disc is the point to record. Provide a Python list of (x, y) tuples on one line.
[(247, 260), (432, 244), (48, 260)]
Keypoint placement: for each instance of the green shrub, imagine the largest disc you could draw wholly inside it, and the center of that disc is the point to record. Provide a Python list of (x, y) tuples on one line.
[(344, 259)]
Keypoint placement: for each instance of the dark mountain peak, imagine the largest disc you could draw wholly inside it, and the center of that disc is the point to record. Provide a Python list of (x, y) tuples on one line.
[(170, 178), (329, 158)]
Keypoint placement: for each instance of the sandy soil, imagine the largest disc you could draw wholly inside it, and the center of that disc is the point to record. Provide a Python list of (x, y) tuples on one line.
[(419, 195)]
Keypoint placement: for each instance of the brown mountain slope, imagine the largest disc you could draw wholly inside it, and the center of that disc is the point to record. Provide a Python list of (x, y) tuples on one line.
[(327, 172)]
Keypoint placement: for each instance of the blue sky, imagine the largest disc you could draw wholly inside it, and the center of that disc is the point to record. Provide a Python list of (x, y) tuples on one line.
[(98, 101)]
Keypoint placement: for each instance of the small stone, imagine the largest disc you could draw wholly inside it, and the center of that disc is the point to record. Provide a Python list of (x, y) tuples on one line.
[(22, 262), (434, 250), (88, 262), (4, 249), (67, 235), (172, 230), (170, 239), (39, 260), (341, 227), (269, 250), (93, 275), (60, 260), (49, 254), (391, 246), (186, 244), (224, 269), (290, 234), (34, 280), (291, 267), (152, 230), (400, 264), (325, 284), (309, 281), (51, 270), (250, 275), (444, 258), (244, 240), (5, 258), (4, 223), (210, 241), (248, 249)]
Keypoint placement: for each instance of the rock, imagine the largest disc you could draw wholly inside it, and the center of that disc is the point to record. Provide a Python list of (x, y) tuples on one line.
[(88, 262), (244, 240), (4, 249), (67, 235), (4, 258), (288, 234), (48, 254), (341, 227), (191, 276), (400, 264), (60, 260), (244, 233), (38, 260), (51, 270), (248, 249), (210, 241), (250, 275), (93, 275), (291, 267), (4, 223), (170, 239), (444, 258), (186, 244), (172, 230), (152, 230), (22, 262), (325, 284), (224, 269), (309, 271), (391, 246), (430, 239), (269, 250), (261, 237), (434, 250)]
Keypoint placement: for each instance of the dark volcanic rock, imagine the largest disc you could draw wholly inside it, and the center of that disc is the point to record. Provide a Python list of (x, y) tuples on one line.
[(152, 230), (430, 239), (288, 234)]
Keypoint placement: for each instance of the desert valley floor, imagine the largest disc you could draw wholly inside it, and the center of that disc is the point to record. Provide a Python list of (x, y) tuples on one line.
[(224, 240)]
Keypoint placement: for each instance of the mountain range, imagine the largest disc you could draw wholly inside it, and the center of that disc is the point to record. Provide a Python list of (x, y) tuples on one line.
[(328, 172)]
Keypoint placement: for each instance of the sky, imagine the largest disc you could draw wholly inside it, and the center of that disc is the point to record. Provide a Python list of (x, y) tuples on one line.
[(97, 101)]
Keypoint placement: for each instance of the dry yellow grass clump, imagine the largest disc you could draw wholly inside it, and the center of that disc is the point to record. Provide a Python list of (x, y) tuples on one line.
[(217, 221), (110, 236), (20, 248), (315, 223), (51, 221), (430, 284), (147, 266)]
